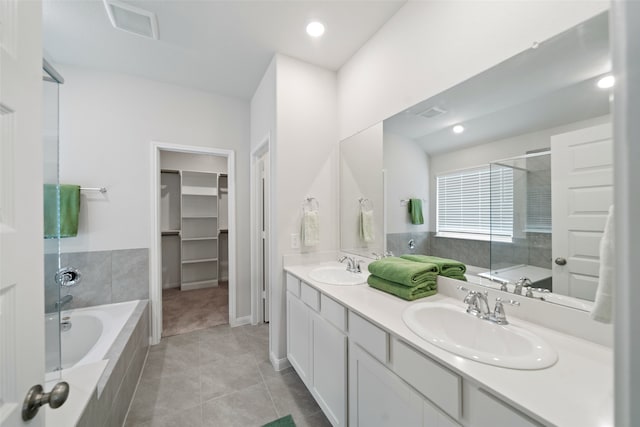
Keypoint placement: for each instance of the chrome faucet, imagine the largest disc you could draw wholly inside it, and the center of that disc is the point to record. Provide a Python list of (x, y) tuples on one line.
[(64, 301), (353, 265), (478, 305), (522, 282)]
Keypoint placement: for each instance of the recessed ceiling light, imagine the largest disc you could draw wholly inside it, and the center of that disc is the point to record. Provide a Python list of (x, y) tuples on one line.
[(606, 82), (315, 29), (458, 129)]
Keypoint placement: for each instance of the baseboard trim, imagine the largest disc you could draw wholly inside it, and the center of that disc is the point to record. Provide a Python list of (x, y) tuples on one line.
[(246, 320), (279, 364)]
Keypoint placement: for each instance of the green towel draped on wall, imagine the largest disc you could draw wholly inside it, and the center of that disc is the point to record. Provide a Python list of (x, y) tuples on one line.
[(415, 211), (69, 210)]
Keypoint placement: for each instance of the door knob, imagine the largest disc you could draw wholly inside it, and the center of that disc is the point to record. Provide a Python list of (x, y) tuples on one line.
[(36, 398), (561, 261)]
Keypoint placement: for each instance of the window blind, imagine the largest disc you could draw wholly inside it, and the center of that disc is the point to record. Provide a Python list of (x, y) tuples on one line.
[(477, 201)]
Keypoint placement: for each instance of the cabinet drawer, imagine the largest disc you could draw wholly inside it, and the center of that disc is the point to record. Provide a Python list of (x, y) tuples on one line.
[(310, 296), (435, 382), (334, 312), (369, 337), (293, 285)]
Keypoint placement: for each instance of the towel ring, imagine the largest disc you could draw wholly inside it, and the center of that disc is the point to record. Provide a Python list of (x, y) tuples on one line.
[(365, 204), (310, 204)]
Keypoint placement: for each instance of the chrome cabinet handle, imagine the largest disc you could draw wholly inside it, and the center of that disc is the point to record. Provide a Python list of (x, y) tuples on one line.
[(36, 398), (561, 261)]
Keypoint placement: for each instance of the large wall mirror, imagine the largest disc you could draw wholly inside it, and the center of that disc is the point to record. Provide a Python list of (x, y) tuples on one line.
[(513, 168)]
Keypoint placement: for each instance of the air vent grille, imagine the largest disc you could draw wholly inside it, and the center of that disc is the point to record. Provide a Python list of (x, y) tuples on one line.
[(431, 112), (132, 19)]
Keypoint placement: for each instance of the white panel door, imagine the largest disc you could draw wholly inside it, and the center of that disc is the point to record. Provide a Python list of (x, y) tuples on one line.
[(21, 224), (582, 191), (377, 397)]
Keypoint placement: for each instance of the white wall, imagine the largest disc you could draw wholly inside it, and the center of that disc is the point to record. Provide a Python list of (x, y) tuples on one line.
[(296, 103), (108, 121), (407, 176), (479, 155), (430, 46)]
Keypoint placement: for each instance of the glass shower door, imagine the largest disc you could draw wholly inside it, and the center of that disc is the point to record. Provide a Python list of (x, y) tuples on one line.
[(50, 127)]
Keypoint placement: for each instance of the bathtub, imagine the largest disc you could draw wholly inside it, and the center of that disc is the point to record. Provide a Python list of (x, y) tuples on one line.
[(92, 333), (103, 354)]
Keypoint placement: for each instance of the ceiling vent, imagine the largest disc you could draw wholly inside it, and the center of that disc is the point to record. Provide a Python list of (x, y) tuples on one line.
[(132, 19), (431, 112)]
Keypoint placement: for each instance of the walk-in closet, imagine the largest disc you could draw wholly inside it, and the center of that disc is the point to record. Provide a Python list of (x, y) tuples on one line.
[(194, 218)]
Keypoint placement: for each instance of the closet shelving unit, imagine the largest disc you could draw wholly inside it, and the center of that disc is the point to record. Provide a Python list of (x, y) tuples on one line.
[(223, 231), (199, 229)]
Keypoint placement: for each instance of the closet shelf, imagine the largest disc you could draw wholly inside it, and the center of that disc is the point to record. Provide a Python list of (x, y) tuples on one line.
[(199, 216), (199, 191), (195, 239), (170, 232), (187, 286), (196, 261)]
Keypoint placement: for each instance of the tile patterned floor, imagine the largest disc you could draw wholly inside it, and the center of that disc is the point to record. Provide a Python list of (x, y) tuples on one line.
[(219, 377), (186, 311)]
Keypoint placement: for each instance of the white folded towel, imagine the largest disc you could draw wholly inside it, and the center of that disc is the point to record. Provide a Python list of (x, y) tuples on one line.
[(310, 229), (603, 306), (367, 229)]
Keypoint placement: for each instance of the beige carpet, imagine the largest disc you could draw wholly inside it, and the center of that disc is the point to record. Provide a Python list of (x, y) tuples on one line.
[(186, 311)]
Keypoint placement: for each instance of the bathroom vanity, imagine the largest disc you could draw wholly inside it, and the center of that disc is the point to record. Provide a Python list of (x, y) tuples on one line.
[(365, 367)]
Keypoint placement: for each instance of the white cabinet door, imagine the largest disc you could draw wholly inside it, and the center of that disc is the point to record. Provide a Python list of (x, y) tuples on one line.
[(377, 397), (329, 356), (299, 337), (484, 410), (433, 418)]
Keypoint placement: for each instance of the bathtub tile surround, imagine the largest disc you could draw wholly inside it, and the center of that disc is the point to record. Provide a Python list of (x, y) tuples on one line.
[(398, 243), (129, 274), (114, 392), (107, 277), (220, 376)]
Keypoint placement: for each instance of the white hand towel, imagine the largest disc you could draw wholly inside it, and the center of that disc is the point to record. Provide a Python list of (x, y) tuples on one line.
[(367, 233), (603, 306), (310, 228)]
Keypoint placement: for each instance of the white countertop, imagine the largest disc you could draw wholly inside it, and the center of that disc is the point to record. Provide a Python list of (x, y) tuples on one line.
[(576, 391)]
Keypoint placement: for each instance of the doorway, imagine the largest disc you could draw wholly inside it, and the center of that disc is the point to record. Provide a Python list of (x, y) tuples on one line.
[(260, 171), (193, 239)]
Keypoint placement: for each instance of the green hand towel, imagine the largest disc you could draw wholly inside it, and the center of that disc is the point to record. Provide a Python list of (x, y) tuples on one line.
[(447, 267), (410, 293), (69, 210), (415, 211), (403, 272)]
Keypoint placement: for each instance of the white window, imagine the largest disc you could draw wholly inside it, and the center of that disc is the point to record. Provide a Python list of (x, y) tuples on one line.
[(476, 204)]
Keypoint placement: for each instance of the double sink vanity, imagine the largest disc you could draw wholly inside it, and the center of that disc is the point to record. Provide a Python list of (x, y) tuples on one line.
[(371, 359)]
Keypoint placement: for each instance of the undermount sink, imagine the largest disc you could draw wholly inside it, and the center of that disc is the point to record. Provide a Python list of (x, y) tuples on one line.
[(451, 328), (334, 275)]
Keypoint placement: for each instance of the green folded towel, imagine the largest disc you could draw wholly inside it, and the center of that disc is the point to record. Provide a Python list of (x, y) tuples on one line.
[(446, 267), (410, 293), (403, 272), (69, 210), (286, 421), (415, 211)]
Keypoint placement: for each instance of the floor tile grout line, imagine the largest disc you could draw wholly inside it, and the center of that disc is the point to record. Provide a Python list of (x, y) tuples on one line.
[(266, 386)]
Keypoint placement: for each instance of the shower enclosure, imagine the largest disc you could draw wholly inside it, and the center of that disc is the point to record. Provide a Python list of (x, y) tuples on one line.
[(50, 141), (521, 218)]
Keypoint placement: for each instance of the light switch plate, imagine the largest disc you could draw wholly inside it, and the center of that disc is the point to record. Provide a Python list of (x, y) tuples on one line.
[(295, 241)]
